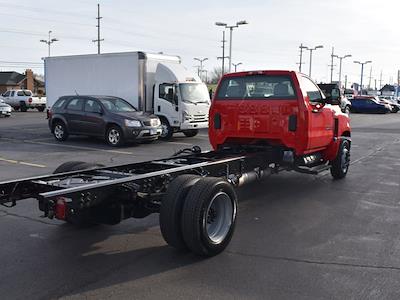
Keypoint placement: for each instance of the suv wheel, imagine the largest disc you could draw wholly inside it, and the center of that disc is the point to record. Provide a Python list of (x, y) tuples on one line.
[(60, 131), (114, 136)]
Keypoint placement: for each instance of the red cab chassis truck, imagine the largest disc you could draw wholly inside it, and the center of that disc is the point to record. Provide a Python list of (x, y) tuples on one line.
[(261, 123)]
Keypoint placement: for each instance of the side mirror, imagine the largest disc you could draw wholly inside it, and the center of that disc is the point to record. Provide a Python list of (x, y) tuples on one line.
[(317, 107)]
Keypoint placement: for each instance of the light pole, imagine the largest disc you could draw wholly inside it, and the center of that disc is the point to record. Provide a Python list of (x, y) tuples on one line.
[(201, 60), (230, 37), (311, 51), (362, 72), (236, 65), (49, 41), (340, 66)]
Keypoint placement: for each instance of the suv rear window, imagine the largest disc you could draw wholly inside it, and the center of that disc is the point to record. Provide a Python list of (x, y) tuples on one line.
[(256, 87)]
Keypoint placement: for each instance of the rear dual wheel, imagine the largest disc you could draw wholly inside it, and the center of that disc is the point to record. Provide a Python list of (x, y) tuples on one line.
[(199, 214)]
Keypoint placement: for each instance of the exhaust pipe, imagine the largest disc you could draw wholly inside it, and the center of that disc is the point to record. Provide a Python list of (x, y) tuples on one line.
[(252, 176)]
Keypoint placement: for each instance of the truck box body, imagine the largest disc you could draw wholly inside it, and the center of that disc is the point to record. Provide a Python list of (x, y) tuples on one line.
[(124, 75), (137, 77)]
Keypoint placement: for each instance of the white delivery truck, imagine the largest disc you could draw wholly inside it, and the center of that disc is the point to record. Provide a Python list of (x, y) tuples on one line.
[(154, 83)]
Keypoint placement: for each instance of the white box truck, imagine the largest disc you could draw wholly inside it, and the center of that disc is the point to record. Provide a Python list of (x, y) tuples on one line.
[(154, 83)]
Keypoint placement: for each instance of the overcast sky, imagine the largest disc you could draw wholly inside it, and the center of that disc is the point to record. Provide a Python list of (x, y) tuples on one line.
[(367, 29)]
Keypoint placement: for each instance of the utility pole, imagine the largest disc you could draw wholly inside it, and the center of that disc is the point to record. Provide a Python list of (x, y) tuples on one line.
[(345, 81), (301, 56), (223, 53), (380, 80), (331, 65), (98, 30)]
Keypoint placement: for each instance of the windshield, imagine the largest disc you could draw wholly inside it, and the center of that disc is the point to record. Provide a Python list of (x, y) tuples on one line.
[(194, 93), (256, 87), (117, 105)]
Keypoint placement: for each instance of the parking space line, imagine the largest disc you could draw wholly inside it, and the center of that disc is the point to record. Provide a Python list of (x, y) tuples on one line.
[(71, 146), (11, 161), (179, 143), (31, 164)]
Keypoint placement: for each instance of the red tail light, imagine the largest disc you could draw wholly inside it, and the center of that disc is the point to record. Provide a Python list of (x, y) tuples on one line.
[(49, 113), (61, 209), (30, 100)]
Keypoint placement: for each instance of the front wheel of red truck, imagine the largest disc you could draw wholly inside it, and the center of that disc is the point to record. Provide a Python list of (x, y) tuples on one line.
[(340, 165)]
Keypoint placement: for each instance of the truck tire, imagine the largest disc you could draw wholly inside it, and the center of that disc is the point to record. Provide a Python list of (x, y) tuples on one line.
[(340, 165), (171, 210), (209, 216), (167, 131), (190, 133), (41, 108), (83, 218), (114, 136), (23, 106), (60, 131), (347, 110)]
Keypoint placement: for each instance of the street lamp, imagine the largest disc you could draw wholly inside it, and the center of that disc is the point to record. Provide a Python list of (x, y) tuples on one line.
[(236, 65), (311, 51), (340, 67), (201, 60), (230, 37), (49, 41), (362, 72)]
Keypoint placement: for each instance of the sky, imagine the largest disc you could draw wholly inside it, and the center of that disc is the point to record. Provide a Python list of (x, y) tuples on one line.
[(366, 29)]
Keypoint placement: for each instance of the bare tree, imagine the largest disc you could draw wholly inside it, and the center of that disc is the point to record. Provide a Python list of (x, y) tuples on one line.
[(215, 75)]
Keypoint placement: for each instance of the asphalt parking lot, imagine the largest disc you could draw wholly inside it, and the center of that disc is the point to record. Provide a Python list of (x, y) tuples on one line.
[(297, 236)]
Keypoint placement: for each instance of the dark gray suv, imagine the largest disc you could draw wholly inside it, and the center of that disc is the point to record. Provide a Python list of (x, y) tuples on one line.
[(108, 117)]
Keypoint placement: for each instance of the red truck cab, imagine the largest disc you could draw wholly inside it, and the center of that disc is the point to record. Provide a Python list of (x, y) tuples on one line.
[(278, 108)]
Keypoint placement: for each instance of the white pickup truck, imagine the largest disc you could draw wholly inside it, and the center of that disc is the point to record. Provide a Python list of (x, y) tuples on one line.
[(24, 100)]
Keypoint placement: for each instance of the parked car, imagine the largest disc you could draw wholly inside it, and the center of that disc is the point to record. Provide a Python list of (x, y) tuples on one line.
[(365, 104), (395, 106), (349, 93), (107, 117), (24, 100), (5, 109), (332, 90)]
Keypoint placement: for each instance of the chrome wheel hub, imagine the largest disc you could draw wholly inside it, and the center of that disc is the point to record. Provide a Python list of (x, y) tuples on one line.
[(59, 131), (113, 136), (219, 216)]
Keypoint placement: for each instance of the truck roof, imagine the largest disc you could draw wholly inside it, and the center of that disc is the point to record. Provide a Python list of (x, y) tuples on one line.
[(262, 72), (141, 54)]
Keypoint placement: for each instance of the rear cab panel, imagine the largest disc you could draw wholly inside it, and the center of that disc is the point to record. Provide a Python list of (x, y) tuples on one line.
[(275, 108), (254, 107)]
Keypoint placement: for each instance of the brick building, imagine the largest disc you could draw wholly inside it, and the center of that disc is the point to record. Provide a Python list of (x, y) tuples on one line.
[(14, 81)]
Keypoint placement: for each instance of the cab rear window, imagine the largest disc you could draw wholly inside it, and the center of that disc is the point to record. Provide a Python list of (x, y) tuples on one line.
[(256, 87)]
